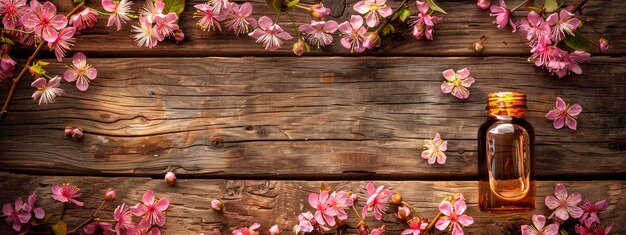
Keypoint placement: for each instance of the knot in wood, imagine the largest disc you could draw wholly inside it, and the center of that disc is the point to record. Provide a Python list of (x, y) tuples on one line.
[(217, 142)]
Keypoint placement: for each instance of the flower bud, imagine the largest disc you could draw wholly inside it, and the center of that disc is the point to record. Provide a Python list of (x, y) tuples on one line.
[(479, 46), (603, 44), (319, 11), (403, 213), (77, 133), (109, 195), (299, 47), (179, 36), (217, 205), (362, 228), (484, 4), (170, 178), (378, 231), (68, 131), (371, 40), (5, 49), (396, 198), (274, 230)]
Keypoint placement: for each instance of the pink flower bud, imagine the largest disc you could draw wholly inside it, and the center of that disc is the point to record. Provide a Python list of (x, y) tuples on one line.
[(109, 195), (603, 44), (396, 198), (68, 131), (362, 228), (371, 40), (319, 11), (217, 205), (484, 4), (274, 230), (299, 47), (170, 178), (479, 46), (179, 36), (404, 213), (77, 133)]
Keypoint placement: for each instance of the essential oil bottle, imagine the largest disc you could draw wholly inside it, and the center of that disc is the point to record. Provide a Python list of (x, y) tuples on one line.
[(506, 151)]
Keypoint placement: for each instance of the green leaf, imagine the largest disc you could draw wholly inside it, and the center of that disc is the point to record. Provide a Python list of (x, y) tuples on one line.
[(432, 5), (404, 14), (176, 6), (60, 228), (293, 3), (6, 40), (580, 42), (389, 29), (275, 4), (552, 5), (36, 221), (563, 232), (535, 9)]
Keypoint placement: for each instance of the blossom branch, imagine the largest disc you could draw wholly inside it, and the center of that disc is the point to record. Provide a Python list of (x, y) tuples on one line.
[(433, 222), (579, 6), (387, 19)]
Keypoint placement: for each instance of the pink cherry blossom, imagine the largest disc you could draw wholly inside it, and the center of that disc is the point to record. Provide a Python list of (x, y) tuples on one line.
[(415, 227), (564, 62), (593, 230), (453, 216), (240, 18), (30, 207), (338, 202), (165, 25), (270, 34), (151, 208), (304, 222), (120, 10), (538, 227), (484, 4), (16, 215), (44, 20), (324, 214), (377, 201), (208, 18), (319, 33), (435, 149), (274, 230), (123, 219), (534, 27), (248, 231), (152, 9), (84, 19), (373, 10), (220, 7), (7, 64), (543, 52), (502, 15), (564, 205), (354, 34), (603, 44), (145, 34), (563, 115), (62, 42), (562, 23), (66, 193), (11, 12), (100, 227), (457, 83), (423, 23), (591, 210), (47, 92), (80, 71)]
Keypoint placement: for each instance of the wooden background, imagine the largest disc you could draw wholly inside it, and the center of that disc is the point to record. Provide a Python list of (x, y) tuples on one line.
[(261, 130)]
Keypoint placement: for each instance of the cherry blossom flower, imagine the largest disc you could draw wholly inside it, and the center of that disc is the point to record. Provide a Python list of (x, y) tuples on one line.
[(47, 92), (354, 34), (240, 18), (457, 83), (165, 25), (319, 33), (484, 4), (208, 18), (274, 230), (564, 205), (603, 44), (338, 202), (123, 219), (170, 178), (403, 213), (84, 19), (543, 52), (565, 62), (270, 34), (324, 214), (593, 230), (217, 205), (30, 207), (376, 201), (11, 12), (145, 34), (561, 24), (80, 71), (538, 227), (373, 10), (62, 42), (453, 216), (44, 20), (248, 231), (502, 15), (16, 215), (100, 227), (120, 10), (534, 27), (7, 64), (416, 227), (319, 11), (591, 210), (563, 115), (66, 193), (435, 149), (304, 222), (151, 208), (423, 23)]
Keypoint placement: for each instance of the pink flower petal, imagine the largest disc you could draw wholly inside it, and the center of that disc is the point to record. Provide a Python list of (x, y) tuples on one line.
[(446, 88), (449, 75), (371, 19), (553, 114), (539, 221), (463, 73), (561, 213), (571, 123), (385, 11), (7, 209), (465, 220), (356, 21), (441, 158), (468, 82), (560, 104), (265, 22), (445, 207), (551, 229), (162, 204), (552, 202), (39, 213), (361, 7), (442, 223), (138, 210), (459, 207), (559, 122), (575, 110), (457, 229), (82, 84)]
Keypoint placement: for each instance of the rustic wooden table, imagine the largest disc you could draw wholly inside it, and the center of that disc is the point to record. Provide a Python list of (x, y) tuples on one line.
[(262, 132)]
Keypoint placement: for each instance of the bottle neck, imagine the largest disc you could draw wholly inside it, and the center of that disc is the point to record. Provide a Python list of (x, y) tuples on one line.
[(516, 112)]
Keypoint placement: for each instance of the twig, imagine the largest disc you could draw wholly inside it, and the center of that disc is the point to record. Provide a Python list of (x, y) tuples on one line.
[(387, 20), (432, 223), (579, 6), (16, 80)]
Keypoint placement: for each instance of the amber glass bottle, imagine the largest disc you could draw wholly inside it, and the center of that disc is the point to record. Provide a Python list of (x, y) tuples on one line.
[(506, 151)]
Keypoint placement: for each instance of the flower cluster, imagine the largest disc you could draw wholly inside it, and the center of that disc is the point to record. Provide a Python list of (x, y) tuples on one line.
[(567, 207), (155, 25), (546, 29), (21, 212)]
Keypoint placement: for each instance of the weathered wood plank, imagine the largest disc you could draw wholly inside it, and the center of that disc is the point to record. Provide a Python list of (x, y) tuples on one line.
[(463, 26), (314, 117), (279, 202)]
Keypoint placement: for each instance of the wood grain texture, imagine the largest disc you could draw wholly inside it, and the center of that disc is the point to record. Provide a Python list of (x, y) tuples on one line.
[(313, 118), (463, 26), (279, 202)]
